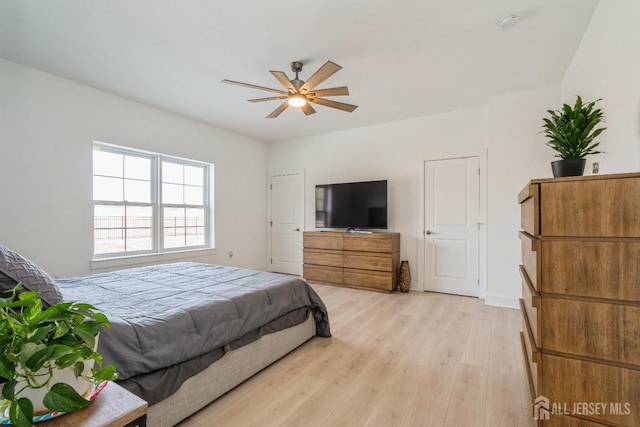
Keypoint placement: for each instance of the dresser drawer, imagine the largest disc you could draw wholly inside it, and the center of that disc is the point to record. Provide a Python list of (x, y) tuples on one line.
[(599, 330), (576, 267), (370, 279), (531, 307), (327, 258), (368, 261), (532, 356), (531, 258), (529, 199), (591, 207), (576, 382), (322, 240), (318, 274), (527, 369), (532, 386), (377, 242)]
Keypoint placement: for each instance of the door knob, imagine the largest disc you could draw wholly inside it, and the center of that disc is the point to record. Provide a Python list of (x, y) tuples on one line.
[(297, 229), (429, 232)]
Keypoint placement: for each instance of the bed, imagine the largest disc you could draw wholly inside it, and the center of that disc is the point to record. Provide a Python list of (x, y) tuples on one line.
[(183, 334)]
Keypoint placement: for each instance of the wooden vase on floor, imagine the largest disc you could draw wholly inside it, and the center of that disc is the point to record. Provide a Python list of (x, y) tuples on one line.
[(404, 277)]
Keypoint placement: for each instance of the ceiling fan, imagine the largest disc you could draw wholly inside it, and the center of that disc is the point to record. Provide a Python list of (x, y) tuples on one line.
[(299, 93)]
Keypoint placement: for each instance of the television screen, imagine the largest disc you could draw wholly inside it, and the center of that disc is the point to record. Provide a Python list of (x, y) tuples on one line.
[(352, 205)]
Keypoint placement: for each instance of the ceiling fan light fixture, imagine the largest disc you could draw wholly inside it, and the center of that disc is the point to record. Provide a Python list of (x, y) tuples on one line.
[(297, 100)]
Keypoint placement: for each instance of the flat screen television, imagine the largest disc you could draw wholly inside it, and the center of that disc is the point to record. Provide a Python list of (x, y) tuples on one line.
[(352, 205)]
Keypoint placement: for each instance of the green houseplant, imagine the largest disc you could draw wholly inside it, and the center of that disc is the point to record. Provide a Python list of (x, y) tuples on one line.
[(571, 132), (37, 345)]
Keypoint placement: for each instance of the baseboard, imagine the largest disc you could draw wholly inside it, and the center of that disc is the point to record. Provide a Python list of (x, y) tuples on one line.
[(502, 301)]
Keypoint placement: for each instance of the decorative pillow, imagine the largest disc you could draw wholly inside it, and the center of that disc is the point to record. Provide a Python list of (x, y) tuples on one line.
[(14, 269)]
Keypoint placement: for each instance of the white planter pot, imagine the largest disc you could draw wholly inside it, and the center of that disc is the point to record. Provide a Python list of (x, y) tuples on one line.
[(80, 385)]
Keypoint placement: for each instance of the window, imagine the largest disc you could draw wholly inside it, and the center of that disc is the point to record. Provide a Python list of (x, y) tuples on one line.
[(147, 202)]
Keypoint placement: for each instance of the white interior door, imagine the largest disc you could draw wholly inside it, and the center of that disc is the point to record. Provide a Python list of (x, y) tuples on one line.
[(452, 209), (287, 222)]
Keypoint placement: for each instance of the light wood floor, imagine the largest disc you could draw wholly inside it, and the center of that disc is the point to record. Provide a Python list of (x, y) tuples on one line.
[(417, 359)]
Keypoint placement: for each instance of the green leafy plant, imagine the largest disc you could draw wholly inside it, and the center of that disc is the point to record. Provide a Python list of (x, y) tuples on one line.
[(34, 343), (571, 132)]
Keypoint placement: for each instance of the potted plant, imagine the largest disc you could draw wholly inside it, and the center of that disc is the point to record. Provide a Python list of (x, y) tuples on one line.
[(571, 132), (47, 357)]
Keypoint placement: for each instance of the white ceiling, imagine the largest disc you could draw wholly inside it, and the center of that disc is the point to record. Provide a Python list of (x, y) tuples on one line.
[(401, 58)]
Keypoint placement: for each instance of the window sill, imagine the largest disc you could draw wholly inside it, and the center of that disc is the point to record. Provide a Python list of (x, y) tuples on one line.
[(137, 260)]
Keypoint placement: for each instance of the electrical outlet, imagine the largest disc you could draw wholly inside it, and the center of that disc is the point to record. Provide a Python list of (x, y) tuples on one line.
[(595, 167)]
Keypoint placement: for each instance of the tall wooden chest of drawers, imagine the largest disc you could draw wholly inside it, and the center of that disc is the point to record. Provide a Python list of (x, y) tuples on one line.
[(357, 260), (581, 299)]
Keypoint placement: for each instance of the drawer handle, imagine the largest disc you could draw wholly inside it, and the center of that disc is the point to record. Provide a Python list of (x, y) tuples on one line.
[(535, 352), (534, 244), (535, 295)]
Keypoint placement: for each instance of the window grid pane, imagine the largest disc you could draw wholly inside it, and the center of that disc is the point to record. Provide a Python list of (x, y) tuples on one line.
[(108, 189), (193, 195), (109, 229), (184, 227), (108, 164), (172, 194), (137, 168), (123, 228), (137, 191), (172, 173), (194, 175)]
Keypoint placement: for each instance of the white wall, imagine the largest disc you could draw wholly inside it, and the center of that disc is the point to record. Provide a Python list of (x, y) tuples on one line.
[(517, 154), (607, 65), (47, 125)]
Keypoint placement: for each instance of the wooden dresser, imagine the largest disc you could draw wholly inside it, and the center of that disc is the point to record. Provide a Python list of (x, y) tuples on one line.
[(581, 298), (356, 260)]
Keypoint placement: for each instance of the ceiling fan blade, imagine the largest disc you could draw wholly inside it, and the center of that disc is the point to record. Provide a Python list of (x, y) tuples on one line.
[(271, 98), (275, 113), (334, 91), (327, 70), (284, 80), (334, 104), (231, 82), (307, 109)]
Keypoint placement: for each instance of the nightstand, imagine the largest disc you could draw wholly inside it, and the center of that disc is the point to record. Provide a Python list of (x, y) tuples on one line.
[(114, 407)]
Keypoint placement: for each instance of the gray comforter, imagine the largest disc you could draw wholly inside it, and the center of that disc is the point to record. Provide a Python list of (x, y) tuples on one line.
[(167, 314)]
